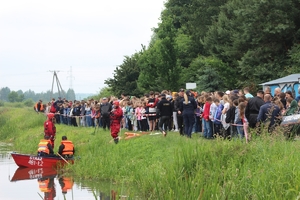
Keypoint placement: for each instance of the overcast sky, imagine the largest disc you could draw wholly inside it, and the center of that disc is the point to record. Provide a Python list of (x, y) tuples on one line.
[(39, 36)]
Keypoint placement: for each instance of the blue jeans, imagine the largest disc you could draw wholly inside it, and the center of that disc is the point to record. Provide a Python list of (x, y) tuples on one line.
[(188, 120), (88, 119), (240, 130), (207, 129)]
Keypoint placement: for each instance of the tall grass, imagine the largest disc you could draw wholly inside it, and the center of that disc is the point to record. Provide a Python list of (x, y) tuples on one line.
[(154, 167)]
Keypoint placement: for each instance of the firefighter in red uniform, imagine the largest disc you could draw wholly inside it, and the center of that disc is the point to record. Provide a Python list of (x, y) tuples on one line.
[(115, 121), (66, 149), (49, 128)]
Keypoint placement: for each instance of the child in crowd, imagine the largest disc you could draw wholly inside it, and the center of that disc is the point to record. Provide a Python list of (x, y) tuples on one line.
[(207, 131), (217, 117), (240, 118)]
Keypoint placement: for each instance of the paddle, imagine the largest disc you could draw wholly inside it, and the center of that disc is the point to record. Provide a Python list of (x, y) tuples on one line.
[(63, 158)]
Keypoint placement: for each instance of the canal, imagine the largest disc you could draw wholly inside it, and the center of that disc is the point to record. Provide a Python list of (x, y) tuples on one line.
[(26, 183)]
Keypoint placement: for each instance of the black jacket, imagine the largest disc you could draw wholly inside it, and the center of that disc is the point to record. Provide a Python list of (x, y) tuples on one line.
[(188, 108), (164, 108), (177, 103), (253, 106)]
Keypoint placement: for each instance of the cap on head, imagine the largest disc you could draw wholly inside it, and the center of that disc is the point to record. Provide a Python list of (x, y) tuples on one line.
[(46, 137), (227, 92), (64, 137), (104, 98), (116, 103), (181, 90), (50, 115)]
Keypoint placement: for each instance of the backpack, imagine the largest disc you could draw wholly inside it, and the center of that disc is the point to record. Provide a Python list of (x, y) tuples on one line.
[(230, 114)]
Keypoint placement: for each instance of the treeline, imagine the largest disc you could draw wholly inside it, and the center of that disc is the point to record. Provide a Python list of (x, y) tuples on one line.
[(219, 45), (18, 96)]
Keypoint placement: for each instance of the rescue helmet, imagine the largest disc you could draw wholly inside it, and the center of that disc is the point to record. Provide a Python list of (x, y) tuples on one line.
[(116, 103), (50, 115)]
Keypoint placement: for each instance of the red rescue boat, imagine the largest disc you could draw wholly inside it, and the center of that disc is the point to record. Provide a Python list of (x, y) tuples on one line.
[(26, 173), (32, 161)]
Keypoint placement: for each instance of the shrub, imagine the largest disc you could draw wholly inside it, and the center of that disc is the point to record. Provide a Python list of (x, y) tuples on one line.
[(1, 103), (18, 105), (29, 103)]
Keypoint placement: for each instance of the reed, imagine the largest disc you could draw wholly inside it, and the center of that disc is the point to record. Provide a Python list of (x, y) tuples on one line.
[(154, 167)]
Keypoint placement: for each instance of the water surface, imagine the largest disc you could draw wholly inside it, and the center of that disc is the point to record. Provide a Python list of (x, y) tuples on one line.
[(21, 183)]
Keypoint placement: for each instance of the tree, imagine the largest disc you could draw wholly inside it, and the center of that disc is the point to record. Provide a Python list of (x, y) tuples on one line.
[(13, 96), (104, 92), (70, 95), (210, 74), (254, 38), (4, 92), (158, 64), (125, 77)]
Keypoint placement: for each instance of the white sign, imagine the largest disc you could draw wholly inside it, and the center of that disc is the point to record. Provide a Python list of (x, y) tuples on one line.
[(190, 86)]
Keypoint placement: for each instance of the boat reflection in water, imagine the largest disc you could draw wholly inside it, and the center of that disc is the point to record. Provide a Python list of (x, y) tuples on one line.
[(45, 178), (53, 185)]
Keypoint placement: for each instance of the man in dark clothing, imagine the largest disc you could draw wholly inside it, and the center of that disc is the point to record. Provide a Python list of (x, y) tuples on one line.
[(253, 107), (105, 109), (165, 111), (177, 103), (268, 112)]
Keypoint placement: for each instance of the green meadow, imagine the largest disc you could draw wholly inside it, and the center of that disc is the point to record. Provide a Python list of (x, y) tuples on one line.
[(172, 167)]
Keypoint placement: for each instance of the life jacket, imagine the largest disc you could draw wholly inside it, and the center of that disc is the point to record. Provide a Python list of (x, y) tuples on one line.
[(68, 150), (41, 107), (43, 146), (43, 185), (67, 184)]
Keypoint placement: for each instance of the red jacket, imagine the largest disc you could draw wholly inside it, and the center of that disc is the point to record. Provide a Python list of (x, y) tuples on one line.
[(116, 115), (206, 110), (49, 128)]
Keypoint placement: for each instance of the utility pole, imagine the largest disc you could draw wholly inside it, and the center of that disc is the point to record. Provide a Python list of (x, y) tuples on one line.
[(59, 88)]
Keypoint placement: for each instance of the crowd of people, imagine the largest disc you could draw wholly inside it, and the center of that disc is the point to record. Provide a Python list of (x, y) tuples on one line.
[(186, 111)]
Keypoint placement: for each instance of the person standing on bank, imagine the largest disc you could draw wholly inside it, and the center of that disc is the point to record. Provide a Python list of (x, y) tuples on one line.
[(115, 119), (164, 111), (269, 112), (177, 104), (49, 128), (105, 109), (66, 149), (187, 108), (252, 108)]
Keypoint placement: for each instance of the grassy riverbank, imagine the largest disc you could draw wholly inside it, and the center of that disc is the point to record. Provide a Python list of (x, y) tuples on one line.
[(154, 167)]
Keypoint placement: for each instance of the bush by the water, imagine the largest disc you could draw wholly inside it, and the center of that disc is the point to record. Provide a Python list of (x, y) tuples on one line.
[(154, 167)]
